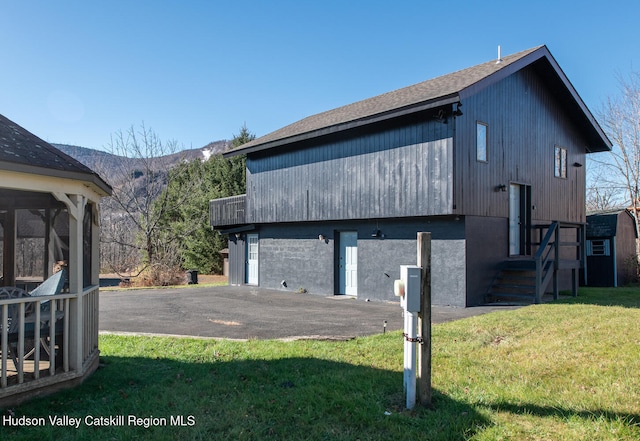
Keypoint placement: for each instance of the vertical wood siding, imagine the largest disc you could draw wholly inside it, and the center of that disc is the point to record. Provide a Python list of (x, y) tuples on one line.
[(412, 169), (406, 171), (525, 123), (227, 211)]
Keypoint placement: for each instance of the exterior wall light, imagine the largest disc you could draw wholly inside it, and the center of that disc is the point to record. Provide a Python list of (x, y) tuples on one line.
[(458, 112)]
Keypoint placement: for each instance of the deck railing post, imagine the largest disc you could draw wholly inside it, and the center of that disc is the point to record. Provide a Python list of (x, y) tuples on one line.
[(582, 233), (556, 261), (538, 280), (36, 341), (5, 343), (52, 337), (65, 336), (20, 355)]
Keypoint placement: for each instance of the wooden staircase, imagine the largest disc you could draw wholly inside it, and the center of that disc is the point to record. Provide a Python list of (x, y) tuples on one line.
[(515, 282), (525, 280)]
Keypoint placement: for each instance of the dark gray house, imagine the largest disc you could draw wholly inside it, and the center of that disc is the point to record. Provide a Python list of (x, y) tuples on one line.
[(611, 248), (488, 159)]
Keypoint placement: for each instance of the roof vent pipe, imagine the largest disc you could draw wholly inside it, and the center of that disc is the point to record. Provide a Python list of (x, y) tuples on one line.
[(499, 56)]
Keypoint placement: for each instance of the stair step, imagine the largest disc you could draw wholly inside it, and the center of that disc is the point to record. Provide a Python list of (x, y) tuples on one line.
[(531, 279), (515, 282), (520, 265), (514, 286), (512, 294), (517, 273)]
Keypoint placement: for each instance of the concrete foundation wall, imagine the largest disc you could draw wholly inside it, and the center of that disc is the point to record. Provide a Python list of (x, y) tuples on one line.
[(293, 253), (466, 255)]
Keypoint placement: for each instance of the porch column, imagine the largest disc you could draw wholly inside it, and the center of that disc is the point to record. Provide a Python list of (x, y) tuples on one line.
[(9, 250), (75, 205), (95, 245)]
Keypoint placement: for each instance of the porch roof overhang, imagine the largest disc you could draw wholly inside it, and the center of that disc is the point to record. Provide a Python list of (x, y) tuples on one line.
[(42, 180), (24, 154)]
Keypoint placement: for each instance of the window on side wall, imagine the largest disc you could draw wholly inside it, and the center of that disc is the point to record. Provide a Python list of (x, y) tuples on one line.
[(481, 141), (560, 167), (598, 247)]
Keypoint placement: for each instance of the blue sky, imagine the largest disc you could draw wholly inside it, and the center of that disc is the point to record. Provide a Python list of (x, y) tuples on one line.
[(195, 71)]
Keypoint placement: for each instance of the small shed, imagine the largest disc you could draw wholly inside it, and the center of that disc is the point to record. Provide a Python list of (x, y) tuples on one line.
[(225, 261), (610, 247)]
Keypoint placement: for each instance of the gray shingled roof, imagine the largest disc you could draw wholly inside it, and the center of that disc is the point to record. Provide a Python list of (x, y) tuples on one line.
[(21, 150), (603, 224), (439, 91)]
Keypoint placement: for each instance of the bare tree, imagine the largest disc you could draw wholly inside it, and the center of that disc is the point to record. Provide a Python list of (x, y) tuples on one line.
[(139, 175), (119, 252), (604, 190), (601, 199), (620, 117)]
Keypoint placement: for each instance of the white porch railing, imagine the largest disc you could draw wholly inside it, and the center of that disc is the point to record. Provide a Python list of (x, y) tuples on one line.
[(37, 353), (90, 303)]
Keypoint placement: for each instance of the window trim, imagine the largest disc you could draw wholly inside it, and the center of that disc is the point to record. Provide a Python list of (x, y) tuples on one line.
[(560, 159), (485, 157), (598, 247)]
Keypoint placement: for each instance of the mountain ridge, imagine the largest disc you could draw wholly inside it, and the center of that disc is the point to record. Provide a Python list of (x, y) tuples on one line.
[(105, 163)]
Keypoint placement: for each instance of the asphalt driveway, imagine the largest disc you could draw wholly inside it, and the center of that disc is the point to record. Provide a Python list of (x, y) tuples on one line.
[(253, 313)]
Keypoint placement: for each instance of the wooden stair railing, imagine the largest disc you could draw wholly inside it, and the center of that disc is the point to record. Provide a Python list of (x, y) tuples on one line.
[(528, 278)]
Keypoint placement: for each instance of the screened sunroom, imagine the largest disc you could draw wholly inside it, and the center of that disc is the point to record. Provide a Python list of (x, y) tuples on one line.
[(49, 277)]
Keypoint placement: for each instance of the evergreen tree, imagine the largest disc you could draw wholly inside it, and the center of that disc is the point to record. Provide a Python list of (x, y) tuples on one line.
[(188, 222)]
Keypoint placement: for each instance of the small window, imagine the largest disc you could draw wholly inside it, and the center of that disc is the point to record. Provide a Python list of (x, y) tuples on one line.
[(481, 141), (560, 168), (598, 247)]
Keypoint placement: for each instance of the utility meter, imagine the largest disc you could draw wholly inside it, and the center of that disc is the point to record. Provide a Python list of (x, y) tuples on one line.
[(411, 280)]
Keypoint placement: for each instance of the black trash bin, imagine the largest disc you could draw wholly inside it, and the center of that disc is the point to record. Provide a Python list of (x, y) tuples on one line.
[(192, 277)]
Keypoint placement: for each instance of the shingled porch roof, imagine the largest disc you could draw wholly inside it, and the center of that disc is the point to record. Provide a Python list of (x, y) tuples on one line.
[(22, 151)]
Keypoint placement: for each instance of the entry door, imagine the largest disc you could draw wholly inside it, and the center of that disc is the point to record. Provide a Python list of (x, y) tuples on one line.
[(348, 263), (519, 219), (514, 219), (252, 259)]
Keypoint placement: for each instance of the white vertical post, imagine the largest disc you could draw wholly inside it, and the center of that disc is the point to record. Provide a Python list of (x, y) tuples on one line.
[(410, 302), (95, 244), (76, 212), (410, 325)]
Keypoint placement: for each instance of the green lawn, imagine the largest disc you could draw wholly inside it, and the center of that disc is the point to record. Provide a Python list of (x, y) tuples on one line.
[(565, 370)]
